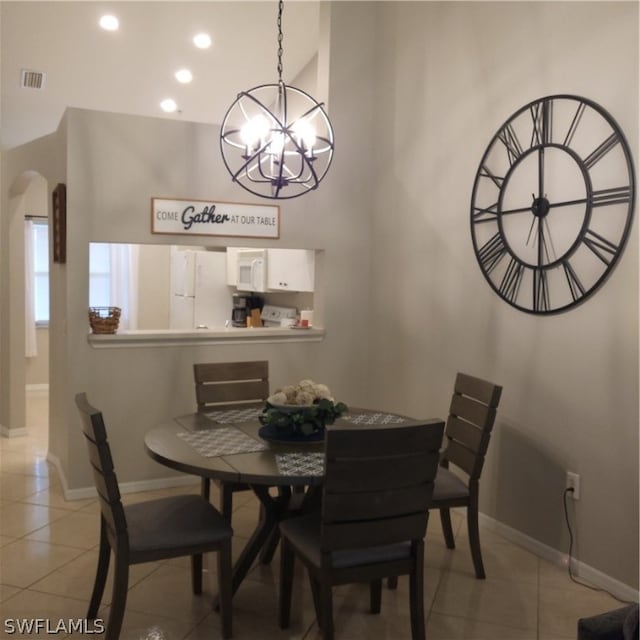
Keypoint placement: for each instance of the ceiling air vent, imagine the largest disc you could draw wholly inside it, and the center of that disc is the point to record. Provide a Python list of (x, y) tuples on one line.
[(32, 79)]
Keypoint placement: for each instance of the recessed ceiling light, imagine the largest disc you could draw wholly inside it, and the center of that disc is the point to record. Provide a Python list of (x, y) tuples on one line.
[(202, 40), (109, 23), (184, 75), (168, 105)]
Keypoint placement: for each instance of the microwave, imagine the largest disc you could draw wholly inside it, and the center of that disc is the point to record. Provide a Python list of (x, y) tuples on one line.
[(251, 273)]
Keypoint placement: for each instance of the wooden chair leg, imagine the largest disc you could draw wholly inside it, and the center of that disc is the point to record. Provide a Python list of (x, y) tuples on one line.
[(416, 594), (447, 529), (226, 501), (118, 598), (102, 570), (287, 560), (315, 592), (392, 582), (205, 488), (225, 593), (326, 609), (474, 540), (375, 595), (269, 549), (196, 573)]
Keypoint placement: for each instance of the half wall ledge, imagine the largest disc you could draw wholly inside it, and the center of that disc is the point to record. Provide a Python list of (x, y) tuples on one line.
[(179, 338)]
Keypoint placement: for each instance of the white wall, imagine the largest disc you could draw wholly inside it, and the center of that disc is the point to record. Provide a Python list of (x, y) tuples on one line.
[(449, 74)]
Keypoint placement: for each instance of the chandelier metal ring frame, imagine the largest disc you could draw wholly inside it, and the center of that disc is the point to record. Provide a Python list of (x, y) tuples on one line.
[(276, 140)]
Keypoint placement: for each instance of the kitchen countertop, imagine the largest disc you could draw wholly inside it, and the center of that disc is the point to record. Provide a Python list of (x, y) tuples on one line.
[(224, 335)]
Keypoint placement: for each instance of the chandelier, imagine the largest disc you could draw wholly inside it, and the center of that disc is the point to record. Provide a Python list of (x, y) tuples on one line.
[(276, 140)]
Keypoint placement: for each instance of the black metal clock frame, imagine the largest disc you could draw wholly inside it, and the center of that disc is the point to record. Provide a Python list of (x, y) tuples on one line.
[(589, 214)]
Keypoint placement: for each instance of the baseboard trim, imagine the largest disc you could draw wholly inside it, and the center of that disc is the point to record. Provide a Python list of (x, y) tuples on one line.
[(579, 569), (37, 387), (82, 493), (5, 432)]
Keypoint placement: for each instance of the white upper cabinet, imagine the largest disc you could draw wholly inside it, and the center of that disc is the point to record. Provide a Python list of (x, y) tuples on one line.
[(290, 269), (287, 269)]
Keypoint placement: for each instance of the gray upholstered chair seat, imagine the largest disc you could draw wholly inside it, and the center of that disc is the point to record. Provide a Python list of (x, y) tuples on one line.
[(177, 525), (304, 532), (448, 486)]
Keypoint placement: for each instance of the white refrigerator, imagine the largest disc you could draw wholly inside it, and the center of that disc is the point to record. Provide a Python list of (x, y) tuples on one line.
[(200, 295)]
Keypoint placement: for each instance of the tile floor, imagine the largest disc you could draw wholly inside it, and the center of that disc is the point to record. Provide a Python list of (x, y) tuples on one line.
[(48, 555)]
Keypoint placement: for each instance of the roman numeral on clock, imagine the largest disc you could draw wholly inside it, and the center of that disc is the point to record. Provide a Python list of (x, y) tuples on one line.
[(540, 290), (575, 286), (510, 140), (492, 252), (604, 249), (605, 197), (599, 152), (541, 114), (511, 280)]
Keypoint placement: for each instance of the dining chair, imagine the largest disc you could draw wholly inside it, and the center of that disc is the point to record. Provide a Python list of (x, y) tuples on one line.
[(184, 525), (229, 385), (375, 498), (472, 413), (471, 417)]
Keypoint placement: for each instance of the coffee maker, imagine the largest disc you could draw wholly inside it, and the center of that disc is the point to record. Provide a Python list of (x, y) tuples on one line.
[(243, 303)]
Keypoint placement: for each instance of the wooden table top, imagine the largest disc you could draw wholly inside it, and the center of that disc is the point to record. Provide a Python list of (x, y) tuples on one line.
[(165, 446)]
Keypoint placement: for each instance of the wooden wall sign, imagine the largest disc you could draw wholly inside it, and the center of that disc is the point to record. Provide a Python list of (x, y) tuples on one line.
[(214, 218), (59, 218)]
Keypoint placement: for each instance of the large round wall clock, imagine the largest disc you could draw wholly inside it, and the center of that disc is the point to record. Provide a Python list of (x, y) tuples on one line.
[(552, 204)]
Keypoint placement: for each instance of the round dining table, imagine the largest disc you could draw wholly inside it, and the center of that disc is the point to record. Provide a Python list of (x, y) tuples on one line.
[(227, 446)]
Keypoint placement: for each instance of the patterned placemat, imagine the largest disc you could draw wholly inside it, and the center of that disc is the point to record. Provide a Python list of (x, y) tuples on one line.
[(373, 418), (234, 415), (221, 442), (307, 464)]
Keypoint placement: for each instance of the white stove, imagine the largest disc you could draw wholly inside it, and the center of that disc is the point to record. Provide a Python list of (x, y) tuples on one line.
[(272, 315)]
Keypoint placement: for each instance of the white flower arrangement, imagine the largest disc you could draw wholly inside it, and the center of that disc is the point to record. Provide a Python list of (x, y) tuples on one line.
[(305, 393), (304, 408)]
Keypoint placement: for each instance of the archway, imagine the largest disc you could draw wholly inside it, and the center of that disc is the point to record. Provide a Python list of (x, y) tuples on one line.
[(28, 196)]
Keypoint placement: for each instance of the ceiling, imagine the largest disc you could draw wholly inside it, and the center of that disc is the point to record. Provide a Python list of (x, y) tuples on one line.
[(131, 70)]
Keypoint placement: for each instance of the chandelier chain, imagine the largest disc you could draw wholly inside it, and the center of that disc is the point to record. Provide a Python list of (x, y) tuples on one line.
[(280, 38)]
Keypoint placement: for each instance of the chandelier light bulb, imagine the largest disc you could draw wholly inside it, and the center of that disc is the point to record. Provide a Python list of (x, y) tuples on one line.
[(305, 133), (254, 132)]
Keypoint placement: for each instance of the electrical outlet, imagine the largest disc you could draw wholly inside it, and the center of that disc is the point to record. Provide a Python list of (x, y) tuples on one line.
[(573, 482)]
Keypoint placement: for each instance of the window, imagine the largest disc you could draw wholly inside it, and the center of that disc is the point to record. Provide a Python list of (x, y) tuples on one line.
[(99, 275), (40, 239)]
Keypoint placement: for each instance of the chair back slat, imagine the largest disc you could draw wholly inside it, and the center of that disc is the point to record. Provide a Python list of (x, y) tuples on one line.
[(104, 476), (378, 504), (230, 383), (378, 483), (482, 390), (377, 474), (465, 433), (373, 533), (471, 410), (471, 418)]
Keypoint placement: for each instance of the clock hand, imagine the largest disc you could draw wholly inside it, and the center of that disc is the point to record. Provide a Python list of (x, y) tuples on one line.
[(565, 203), (553, 250), (530, 230), (541, 173)]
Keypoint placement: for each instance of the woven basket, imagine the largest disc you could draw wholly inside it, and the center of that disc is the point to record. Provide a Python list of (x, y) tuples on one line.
[(104, 319)]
